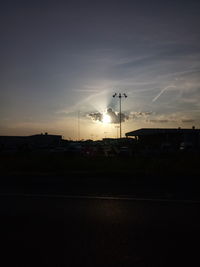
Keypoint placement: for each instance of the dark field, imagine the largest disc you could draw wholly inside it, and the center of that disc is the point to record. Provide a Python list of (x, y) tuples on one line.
[(78, 211), (59, 163), (173, 176), (98, 232)]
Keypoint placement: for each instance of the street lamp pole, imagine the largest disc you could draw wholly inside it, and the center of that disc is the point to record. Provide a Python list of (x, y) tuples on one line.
[(120, 95)]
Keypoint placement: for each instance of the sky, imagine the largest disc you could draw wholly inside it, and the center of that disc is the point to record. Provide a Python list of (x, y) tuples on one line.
[(62, 61)]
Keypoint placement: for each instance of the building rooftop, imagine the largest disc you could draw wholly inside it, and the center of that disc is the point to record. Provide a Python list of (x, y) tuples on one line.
[(152, 131)]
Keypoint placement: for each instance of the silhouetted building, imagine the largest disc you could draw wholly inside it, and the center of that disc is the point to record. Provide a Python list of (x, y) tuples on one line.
[(13, 142), (163, 137), (45, 140), (33, 141)]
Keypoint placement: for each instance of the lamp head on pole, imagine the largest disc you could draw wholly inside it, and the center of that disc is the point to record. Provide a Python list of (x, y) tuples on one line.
[(120, 95)]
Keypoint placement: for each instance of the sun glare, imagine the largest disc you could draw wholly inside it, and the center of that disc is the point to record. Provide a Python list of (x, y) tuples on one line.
[(106, 118)]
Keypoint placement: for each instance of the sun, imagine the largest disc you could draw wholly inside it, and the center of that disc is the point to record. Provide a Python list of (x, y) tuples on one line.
[(106, 118)]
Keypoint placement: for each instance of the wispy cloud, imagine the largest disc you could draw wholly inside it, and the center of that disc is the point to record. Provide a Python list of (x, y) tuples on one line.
[(85, 90), (160, 121), (187, 121), (140, 114)]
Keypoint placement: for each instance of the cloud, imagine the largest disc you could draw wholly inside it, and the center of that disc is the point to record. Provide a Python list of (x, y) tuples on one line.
[(188, 121), (159, 121), (86, 90), (140, 115), (96, 116), (115, 116), (171, 120)]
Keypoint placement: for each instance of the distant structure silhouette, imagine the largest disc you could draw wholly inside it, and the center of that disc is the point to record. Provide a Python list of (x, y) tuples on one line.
[(167, 138), (33, 141)]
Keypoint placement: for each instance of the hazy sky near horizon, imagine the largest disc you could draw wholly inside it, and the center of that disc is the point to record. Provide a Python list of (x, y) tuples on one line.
[(61, 57)]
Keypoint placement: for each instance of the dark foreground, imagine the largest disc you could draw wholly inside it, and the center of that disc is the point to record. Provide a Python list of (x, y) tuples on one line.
[(57, 231)]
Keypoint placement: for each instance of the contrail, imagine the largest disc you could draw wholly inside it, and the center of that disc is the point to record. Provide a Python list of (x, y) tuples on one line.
[(162, 91)]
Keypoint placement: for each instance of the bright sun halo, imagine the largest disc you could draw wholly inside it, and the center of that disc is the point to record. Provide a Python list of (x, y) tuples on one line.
[(106, 118)]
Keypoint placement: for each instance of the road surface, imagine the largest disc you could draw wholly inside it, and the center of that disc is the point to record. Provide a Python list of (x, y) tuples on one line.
[(52, 230)]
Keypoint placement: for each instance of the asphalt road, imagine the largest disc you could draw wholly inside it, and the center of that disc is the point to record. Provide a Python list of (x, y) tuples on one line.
[(178, 188), (86, 231)]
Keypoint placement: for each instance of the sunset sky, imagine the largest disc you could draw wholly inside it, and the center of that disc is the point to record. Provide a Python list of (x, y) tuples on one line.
[(59, 59)]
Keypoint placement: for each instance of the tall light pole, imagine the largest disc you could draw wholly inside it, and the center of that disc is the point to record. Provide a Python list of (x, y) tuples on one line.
[(120, 95)]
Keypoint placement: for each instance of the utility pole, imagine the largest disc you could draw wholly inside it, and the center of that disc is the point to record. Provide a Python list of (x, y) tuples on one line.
[(79, 125), (120, 95)]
